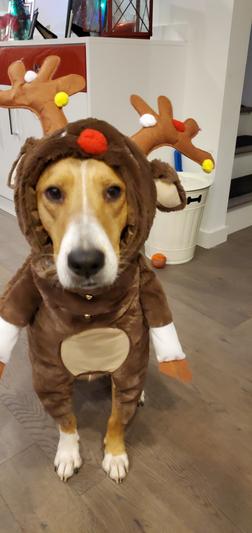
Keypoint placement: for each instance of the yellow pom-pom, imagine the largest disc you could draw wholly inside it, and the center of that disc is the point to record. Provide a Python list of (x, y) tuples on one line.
[(61, 99), (207, 165)]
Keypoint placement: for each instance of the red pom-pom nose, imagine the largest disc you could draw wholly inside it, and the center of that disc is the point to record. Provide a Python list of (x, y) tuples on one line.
[(93, 141)]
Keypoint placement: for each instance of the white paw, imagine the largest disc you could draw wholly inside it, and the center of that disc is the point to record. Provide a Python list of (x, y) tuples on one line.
[(67, 460), (116, 466)]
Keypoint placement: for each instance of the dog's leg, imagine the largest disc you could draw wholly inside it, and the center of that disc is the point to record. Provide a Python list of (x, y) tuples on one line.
[(68, 460), (115, 461)]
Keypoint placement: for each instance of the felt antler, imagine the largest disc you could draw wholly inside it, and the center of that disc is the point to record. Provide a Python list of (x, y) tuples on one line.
[(38, 94), (162, 130)]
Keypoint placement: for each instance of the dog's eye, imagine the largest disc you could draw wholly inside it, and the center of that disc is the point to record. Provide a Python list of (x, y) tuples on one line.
[(113, 192), (54, 194)]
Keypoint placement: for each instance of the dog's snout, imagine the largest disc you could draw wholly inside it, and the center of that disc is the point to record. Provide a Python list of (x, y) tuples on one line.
[(86, 262)]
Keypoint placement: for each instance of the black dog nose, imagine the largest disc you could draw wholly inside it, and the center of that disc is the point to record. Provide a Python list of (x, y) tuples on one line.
[(86, 262)]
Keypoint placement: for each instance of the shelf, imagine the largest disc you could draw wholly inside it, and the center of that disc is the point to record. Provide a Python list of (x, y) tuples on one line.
[(240, 200), (240, 191), (243, 144), (241, 186), (245, 110)]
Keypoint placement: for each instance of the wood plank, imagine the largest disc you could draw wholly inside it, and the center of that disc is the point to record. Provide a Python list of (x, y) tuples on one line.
[(199, 459), (36, 423), (39, 500), (8, 523), (213, 284), (133, 507), (190, 446), (13, 437)]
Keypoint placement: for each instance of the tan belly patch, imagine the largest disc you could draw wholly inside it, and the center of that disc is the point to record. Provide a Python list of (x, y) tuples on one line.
[(95, 350)]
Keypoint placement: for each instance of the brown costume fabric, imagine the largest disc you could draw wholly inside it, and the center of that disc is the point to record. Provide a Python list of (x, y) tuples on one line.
[(35, 298), (165, 173)]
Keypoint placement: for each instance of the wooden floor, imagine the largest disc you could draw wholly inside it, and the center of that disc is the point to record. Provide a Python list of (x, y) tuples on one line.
[(190, 447)]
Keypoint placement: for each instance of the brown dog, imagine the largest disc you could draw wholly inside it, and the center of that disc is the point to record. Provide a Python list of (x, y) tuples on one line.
[(83, 207), (85, 199)]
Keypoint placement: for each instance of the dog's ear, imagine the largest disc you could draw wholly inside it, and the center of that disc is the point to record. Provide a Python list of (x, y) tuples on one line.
[(170, 193), (29, 143)]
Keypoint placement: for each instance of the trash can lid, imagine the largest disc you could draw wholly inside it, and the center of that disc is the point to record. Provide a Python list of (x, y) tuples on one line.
[(193, 181)]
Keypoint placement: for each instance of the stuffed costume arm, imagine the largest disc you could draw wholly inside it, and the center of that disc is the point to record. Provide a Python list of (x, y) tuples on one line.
[(8, 338), (17, 307), (158, 316), (166, 343)]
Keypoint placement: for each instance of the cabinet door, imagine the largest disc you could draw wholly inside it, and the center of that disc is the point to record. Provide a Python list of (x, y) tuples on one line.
[(18, 124), (10, 144), (76, 109), (15, 126), (29, 125)]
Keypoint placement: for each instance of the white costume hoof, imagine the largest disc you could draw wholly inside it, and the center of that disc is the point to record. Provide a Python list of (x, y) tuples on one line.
[(166, 343), (8, 338), (116, 466), (67, 460)]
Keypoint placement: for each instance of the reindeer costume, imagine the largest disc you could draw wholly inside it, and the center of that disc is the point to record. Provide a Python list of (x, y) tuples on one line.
[(72, 333)]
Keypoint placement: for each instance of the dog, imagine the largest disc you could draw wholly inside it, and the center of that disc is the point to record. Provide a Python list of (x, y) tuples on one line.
[(83, 207), (85, 199)]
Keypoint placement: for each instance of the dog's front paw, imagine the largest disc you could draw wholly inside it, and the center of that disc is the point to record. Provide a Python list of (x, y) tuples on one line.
[(116, 466), (67, 460)]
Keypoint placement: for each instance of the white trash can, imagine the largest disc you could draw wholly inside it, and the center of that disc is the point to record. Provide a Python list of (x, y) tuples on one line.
[(175, 234)]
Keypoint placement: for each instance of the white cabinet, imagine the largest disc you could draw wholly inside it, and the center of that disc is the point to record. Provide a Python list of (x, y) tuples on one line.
[(10, 143), (15, 126), (18, 124), (114, 69)]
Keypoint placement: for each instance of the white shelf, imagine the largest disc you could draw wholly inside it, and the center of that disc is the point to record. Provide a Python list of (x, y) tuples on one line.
[(104, 41)]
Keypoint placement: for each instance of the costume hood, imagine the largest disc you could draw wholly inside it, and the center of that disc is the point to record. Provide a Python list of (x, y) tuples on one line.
[(122, 155), (121, 317)]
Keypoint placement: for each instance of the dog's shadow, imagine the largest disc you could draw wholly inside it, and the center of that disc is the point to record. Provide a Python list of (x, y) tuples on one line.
[(92, 402)]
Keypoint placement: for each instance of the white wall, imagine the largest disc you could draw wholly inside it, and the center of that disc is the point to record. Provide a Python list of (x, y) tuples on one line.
[(218, 34), (247, 89), (216, 212), (53, 13), (3, 6)]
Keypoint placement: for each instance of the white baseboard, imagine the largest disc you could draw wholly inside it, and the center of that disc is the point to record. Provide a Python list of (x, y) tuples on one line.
[(209, 239), (239, 217), (7, 205)]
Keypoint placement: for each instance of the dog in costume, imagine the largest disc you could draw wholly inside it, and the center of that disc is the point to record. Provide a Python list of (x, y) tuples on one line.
[(85, 198)]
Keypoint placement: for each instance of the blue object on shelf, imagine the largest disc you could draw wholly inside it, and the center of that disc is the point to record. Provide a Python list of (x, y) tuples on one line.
[(178, 161)]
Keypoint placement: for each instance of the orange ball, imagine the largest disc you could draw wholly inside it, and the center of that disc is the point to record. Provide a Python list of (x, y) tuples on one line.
[(158, 260)]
